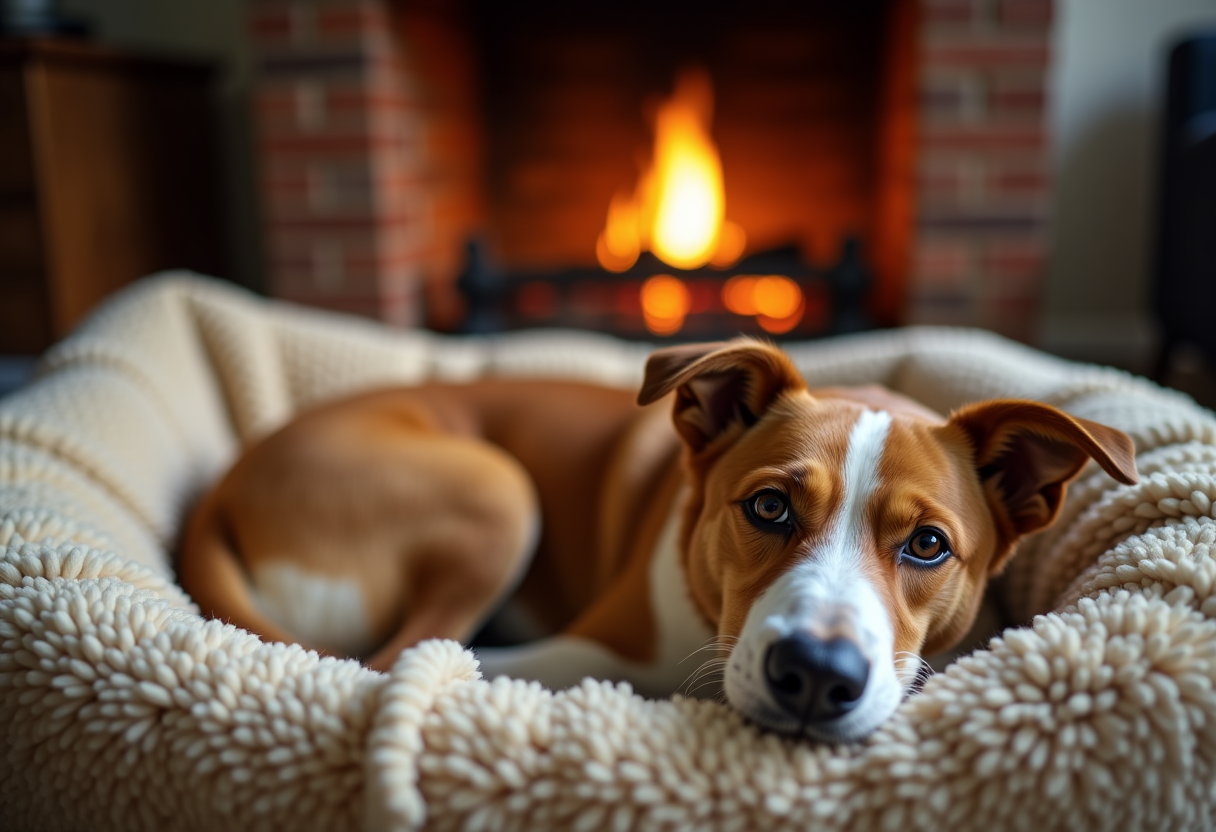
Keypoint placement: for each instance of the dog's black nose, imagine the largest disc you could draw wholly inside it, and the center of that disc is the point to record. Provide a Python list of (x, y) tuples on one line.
[(815, 680)]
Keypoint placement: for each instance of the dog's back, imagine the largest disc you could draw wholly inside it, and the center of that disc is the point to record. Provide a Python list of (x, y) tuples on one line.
[(362, 512)]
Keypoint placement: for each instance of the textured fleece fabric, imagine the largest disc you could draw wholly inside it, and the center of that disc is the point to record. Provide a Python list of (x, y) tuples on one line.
[(122, 709)]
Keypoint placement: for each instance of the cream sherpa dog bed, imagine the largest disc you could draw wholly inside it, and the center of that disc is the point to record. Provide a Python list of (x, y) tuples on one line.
[(121, 709)]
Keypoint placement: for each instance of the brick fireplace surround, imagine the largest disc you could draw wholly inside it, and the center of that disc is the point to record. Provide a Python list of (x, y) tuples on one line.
[(371, 161)]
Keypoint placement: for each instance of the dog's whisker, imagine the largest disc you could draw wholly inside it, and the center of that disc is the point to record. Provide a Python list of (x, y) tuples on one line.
[(711, 666), (693, 694), (713, 643), (699, 668), (912, 670), (693, 677), (705, 671), (712, 679), (700, 650)]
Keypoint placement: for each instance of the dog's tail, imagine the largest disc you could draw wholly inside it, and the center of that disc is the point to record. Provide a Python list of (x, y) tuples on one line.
[(212, 573)]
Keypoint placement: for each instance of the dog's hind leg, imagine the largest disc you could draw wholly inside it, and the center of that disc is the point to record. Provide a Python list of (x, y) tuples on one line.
[(470, 541)]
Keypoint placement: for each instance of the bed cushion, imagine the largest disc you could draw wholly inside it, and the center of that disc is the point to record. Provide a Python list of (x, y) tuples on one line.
[(121, 708)]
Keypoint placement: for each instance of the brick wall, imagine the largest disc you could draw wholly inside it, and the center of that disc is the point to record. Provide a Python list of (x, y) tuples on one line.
[(983, 182), (368, 155)]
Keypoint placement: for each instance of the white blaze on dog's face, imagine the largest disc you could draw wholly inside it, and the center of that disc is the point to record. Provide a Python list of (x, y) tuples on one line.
[(826, 537)]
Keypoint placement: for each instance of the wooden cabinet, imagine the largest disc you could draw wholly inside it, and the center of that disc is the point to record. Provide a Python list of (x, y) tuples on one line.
[(107, 173)]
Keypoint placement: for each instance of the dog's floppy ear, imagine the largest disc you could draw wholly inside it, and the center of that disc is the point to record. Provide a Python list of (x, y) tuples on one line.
[(1026, 453), (718, 385)]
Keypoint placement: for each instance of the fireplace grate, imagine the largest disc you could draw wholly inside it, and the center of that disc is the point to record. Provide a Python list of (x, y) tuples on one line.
[(701, 303)]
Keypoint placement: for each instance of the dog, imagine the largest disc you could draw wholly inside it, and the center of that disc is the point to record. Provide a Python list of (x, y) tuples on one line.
[(810, 540)]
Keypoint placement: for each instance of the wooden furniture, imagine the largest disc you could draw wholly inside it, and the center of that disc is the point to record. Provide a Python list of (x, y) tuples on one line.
[(107, 173)]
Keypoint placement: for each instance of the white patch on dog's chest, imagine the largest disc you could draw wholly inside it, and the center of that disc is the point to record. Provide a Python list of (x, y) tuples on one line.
[(680, 628), (320, 610)]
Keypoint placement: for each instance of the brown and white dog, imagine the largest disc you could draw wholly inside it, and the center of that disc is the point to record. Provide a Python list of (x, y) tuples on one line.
[(811, 538)]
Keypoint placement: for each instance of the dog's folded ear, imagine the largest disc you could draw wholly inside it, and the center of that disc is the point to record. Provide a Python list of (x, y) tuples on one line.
[(718, 385), (1026, 453)]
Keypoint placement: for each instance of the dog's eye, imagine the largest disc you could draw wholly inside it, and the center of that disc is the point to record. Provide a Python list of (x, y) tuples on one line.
[(768, 508), (926, 547)]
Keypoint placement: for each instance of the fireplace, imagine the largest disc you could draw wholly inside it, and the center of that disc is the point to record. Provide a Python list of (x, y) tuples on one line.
[(884, 157)]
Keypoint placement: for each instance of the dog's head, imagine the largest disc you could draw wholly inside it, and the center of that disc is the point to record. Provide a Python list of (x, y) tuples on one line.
[(826, 537)]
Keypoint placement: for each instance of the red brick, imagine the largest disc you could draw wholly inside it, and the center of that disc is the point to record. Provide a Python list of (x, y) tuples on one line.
[(340, 186), (1017, 96), (400, 181), (948, 97), (274, 127), (1011, 264), (294, 109), (357, 143), (273, 26), (981, 137), (986, 52), (405, 205), (361, 99), (345, 23), (293, 146), (331, 264), (276, 100), (1017, 182), (400, 246), (402, 309), (942, 187), (376, 306), (286, 281), (288, 243), (384, 255), (285, 190), (950, 13), (943, 263), (944, 308), (1027, 13), (307, 223), (369, 273)]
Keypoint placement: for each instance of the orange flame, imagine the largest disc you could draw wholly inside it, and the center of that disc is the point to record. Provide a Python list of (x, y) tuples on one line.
[(665, 303), (679, 206), (774, 299)]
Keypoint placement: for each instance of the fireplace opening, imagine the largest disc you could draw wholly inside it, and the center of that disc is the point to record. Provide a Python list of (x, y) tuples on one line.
[(806, 110)]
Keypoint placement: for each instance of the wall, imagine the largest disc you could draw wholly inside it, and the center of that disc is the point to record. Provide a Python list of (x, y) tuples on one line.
[(984, 186), (1107, 95), (213, 30)]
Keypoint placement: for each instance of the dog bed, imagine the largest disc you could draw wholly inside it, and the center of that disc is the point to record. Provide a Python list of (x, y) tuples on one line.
[(121, 708)]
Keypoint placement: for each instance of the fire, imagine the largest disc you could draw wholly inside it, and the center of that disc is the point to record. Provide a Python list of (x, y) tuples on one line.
[(665, 303), (775, 300), (678, 210)]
